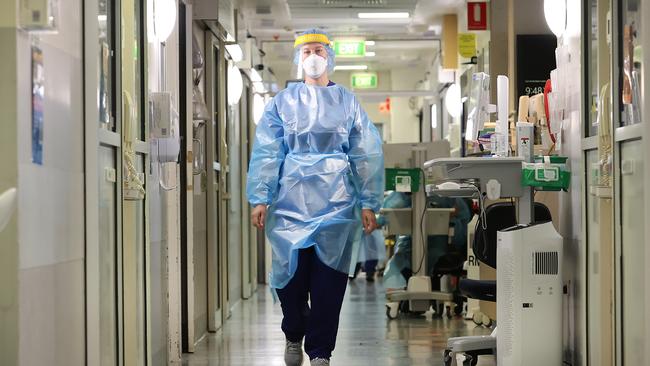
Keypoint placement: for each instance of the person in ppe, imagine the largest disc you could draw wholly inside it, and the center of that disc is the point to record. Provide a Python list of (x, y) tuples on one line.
[(372, 252), (316, 178)]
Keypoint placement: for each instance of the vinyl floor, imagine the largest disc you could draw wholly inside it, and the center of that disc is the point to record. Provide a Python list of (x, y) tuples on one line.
[(252, 335)]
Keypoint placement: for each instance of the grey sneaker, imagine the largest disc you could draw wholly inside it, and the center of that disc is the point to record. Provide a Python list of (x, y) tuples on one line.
[(320, 362), (293, 354)]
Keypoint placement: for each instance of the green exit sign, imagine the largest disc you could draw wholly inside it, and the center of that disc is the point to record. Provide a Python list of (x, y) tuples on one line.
[(350, 48), (366, 80)]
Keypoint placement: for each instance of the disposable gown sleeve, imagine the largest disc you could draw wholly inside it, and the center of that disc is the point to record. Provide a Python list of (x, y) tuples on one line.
[(366, 159), (267, 157)]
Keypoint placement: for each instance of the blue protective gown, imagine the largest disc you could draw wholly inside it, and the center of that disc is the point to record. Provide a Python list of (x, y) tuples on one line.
[(317, 160)]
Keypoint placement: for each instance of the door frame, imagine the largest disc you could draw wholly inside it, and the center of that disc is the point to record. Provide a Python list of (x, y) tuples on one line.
[(249, 237), (96, 137), (620, 136), (216, 182), (185, 296)]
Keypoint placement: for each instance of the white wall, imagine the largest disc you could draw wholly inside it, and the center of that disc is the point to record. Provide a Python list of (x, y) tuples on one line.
[(529, 17), (234, 208), (8, 179), (405, 125), (51, 200), (164, 220), (570, 207), (384, 82)]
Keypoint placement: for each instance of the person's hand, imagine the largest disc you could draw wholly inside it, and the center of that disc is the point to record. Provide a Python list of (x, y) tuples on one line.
[(258, 216), (369, 221)]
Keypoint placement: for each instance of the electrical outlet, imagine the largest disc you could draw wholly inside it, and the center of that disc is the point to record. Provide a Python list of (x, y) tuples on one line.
[(110, 174), (627, 167)]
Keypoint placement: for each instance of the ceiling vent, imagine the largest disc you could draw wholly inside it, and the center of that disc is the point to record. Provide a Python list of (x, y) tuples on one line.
[(354, 3), (263, 10), (267, 23)]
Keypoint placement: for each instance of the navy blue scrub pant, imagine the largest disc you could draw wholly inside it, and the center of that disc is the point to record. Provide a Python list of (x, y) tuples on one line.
[(370, 267), (317, 320)]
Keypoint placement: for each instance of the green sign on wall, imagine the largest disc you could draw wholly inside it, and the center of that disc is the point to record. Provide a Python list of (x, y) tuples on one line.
[(350, 48), (366, 80)]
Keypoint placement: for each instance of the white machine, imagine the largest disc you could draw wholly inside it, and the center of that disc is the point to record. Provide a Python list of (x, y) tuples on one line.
[(529, 293), (479, 110), (529, 261), (164, 127)]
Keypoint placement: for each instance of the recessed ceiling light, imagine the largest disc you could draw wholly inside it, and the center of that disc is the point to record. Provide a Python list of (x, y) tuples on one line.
[(395, 15), (235, 52), (370, 54), (370, 43), (351, 67), (255, 76)]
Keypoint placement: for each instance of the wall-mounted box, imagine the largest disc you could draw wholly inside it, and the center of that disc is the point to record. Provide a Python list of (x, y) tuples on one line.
[(39, 15)]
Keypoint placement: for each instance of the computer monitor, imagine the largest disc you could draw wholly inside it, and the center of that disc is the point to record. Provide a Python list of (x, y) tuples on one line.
[(478, 109)]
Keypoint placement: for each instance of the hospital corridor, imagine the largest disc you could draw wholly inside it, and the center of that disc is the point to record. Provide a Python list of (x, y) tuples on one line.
[(324, 182)]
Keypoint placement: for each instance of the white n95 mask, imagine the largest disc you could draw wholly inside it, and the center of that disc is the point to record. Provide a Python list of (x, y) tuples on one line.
[(314, 66)]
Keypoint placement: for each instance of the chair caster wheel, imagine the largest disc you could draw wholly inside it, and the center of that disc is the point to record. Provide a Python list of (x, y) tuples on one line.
[(448, 358), (392, 310), (478, 318), (487, 322)]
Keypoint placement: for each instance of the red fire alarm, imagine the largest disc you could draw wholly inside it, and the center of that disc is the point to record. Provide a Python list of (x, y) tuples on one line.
[(476, 16)]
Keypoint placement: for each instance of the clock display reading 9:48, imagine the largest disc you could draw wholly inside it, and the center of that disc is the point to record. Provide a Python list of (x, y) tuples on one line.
[(533, 90)]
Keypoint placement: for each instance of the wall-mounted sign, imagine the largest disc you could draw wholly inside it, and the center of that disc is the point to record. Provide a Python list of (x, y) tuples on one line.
[(476, 15), (384, 107), (467, 44), (365, 80), (38, 103), (350, 48)]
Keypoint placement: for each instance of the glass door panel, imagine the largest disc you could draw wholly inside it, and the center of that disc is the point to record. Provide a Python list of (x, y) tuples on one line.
[(107, 258), (631, 61), (594, 286), (140, 252), (134, 235), (633, 252), (200, 227), (106, 93), (216, 166), (597, 60)]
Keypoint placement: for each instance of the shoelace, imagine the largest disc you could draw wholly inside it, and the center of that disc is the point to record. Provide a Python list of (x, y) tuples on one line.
[(320, 361)]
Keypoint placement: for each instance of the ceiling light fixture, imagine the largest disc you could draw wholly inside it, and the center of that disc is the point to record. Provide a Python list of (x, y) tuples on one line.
[(255, 76), (258, 108), (235, 51), (259, 87), (370, 53), (351, 67), (235, 85), (453, 101), (395, 15), (161, 19), (555, 12), (370, 43)]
